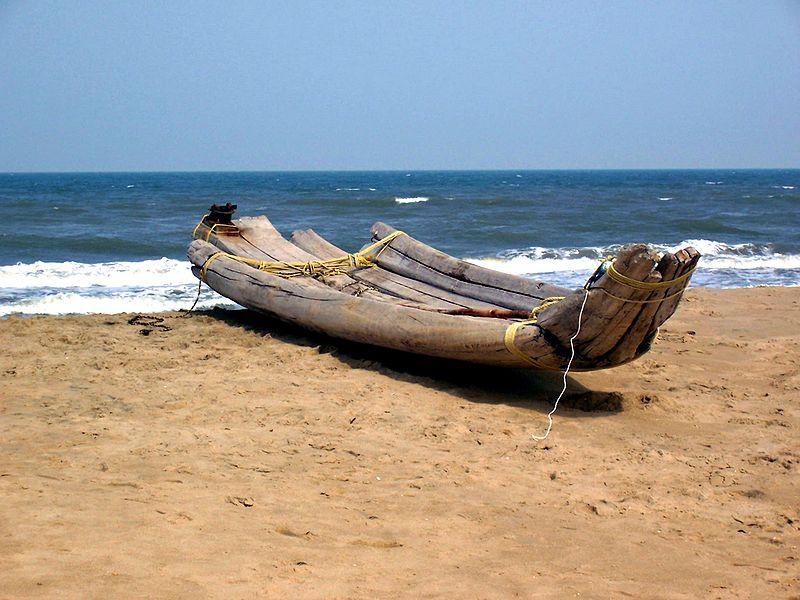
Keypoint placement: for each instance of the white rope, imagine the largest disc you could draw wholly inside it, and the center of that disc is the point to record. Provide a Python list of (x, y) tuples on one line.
[(539, 438)]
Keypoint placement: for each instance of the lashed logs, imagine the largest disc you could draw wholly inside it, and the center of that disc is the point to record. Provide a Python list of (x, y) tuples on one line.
[(653, 314), (453, 268), (258, 239), (409, 258), (642, 326), (689, 257), (387, 281), (359, 319), (611, 332), (615, 324), (638, 262)]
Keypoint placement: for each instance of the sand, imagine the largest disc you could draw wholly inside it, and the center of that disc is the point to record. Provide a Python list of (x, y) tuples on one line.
[(231, 456)]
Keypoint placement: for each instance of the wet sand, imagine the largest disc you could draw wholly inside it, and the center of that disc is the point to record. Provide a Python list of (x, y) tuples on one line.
[(227, 455)]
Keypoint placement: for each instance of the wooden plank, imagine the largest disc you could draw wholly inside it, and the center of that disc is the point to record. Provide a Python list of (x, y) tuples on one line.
[(443, 265), (398, 263), (387, 281), (611, 333), (258, 239), (323, 309), (606, 321)]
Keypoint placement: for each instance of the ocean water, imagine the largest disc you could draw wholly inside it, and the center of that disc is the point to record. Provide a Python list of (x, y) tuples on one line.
[(116, 242)]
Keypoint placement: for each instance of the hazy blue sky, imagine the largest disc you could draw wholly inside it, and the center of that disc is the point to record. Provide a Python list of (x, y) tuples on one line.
[(398, 85)]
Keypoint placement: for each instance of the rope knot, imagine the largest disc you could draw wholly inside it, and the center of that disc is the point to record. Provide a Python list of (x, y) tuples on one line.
[(313, 268)]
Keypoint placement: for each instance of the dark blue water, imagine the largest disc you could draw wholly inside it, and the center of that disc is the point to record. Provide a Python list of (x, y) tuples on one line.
[(747, 222)]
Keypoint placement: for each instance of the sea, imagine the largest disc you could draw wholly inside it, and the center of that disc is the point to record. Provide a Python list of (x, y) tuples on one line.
[(76, 243)]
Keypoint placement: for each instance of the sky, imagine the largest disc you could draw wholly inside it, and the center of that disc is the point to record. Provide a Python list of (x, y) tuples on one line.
[(164, 86)]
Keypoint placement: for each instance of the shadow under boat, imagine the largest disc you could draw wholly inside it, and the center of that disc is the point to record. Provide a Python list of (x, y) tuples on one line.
[(522, 388)]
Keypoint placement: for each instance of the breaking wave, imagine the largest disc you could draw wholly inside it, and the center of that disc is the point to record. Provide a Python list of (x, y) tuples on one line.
[(112, 287), (411, 200), (144, 273), (723, 265), (167, 284)]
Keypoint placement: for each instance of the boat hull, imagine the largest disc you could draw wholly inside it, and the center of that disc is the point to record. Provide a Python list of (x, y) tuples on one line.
[(416, 299)]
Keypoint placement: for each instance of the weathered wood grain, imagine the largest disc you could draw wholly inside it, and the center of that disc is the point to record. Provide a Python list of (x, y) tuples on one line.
[(441, 266), (360, 319), (423, 301), (387, 281), (258, 239)]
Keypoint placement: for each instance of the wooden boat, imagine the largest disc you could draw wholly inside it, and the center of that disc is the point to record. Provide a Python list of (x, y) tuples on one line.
[(400, 293)]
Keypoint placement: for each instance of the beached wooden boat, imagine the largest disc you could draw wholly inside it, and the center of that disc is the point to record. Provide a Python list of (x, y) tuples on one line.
[(399, 293)]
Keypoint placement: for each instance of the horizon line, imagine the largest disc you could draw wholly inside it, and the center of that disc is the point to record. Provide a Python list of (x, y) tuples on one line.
[(503, 170)]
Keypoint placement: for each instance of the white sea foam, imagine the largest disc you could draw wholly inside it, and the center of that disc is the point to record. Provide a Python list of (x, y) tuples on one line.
[(782, 187), (167, 284), (112, 287), (665, 198), (145, 273), (411, 200), (69, 303), (348, 189), (713, 183), (532, 265), (722, 265)]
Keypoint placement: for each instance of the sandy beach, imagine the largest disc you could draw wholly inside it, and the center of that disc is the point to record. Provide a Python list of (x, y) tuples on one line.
[(228, 455)]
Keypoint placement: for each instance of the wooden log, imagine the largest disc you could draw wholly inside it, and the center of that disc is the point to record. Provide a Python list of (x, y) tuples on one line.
[(258, 239), (397, 262), (639, 263), (606, 320), (359, 319), (646, 324), (689, 258), (441, 267), (611, 333), (390, 282), (642, 329), (653, 315), (260, 232), (255, 239)]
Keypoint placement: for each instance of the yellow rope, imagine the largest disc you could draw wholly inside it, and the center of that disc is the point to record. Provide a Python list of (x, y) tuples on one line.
[(546, 303), (509, 339), (340, 265), (664, 299), (223, 228), (196, 227), (511, 331), (645, 285), (343, 264)]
